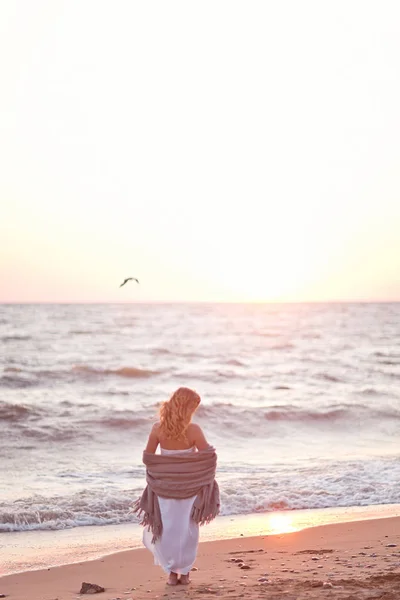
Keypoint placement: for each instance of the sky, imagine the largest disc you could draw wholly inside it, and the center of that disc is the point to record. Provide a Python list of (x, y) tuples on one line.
[(228, 151)]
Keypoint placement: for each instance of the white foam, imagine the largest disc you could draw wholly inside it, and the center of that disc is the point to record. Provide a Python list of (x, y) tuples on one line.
[(342, 483)]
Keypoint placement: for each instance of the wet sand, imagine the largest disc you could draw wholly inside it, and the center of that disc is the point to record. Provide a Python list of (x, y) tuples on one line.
[(348, 561)]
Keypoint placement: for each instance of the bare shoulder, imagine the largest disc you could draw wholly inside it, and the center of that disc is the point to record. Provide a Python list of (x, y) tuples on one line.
[(196, 436), (194, 429), (156, 427)]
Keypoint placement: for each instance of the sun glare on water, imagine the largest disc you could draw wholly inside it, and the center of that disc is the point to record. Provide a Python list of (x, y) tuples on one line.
[(280, 523)]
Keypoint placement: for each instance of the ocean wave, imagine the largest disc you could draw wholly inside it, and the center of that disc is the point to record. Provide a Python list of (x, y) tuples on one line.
[(59, 433), (388, 355), (122, 422), (16, 412), (81, 332), (295, 414), (214, 376), (224, 413), (68, 421), (234, 362), (371, 391), (330, 378), (50, 513), (161, 351), (283, 346), (20, 378), (348, 483), (113, 393), (267, 489), (132, 372), (13, 382), (15, 338)]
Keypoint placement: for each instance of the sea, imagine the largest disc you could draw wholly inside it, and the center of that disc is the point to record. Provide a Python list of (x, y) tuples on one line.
[(301, 402)]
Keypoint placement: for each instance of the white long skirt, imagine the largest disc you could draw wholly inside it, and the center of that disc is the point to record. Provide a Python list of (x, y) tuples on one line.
[(176, 549)]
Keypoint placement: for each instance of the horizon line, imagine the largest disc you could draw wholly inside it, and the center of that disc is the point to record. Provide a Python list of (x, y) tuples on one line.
[(169, 302)]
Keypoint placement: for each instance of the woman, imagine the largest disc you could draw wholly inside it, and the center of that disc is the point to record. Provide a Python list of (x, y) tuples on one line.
[(181, 490)]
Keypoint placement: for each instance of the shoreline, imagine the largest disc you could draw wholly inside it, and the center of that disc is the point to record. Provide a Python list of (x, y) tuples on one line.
[(341, 560), (30, 551)]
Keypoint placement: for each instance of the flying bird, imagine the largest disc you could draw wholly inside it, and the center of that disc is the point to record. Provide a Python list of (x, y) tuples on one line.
[(129, 279)]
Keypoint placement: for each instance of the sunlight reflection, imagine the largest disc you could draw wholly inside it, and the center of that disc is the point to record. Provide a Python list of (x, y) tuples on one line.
[(280, 523)]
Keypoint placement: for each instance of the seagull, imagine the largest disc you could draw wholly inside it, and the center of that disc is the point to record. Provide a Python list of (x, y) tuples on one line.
[(129, 279)]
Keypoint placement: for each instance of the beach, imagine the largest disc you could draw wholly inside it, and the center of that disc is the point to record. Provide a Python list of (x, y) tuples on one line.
[(300, 401), (357, 560)]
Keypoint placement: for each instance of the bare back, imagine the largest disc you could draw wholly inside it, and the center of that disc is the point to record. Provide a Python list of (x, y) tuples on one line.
[(194, 434)]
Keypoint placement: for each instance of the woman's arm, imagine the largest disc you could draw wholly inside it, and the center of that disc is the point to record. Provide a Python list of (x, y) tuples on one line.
[(153, 440), (197, 437)]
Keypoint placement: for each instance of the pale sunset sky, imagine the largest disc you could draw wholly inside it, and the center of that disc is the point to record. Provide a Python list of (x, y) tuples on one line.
[(217, 150)]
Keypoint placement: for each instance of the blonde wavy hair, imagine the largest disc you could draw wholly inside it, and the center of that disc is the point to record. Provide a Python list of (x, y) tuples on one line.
[(176, 413)]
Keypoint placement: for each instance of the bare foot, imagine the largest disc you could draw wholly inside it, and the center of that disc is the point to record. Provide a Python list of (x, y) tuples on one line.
[(172, 579), (185, 579)]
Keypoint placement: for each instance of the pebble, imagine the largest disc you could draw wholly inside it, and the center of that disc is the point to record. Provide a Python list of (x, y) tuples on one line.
[(391, 545), (327, 584), (262, 579), (245, 567), (195, 569)]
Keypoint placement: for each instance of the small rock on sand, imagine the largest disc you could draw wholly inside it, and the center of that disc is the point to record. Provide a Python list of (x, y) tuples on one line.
[(91, 588)]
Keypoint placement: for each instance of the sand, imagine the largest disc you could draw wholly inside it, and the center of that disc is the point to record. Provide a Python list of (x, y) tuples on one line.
[(347, 561)]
